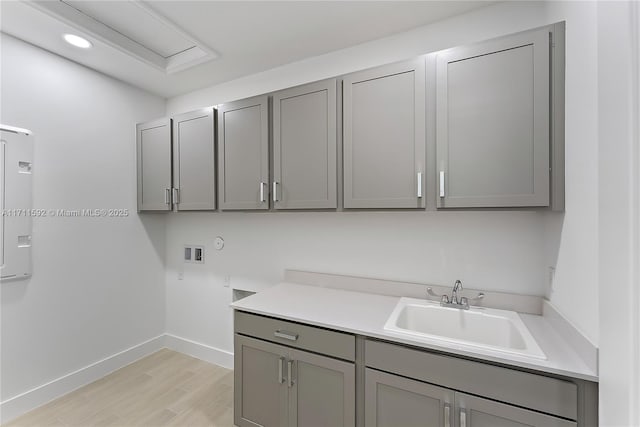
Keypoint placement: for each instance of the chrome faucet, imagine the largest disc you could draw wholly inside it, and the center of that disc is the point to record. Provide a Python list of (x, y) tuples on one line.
[(454, 294), (453, 301)]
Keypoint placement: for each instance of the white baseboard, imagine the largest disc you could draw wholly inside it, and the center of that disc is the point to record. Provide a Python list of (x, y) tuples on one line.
[(201, 351), (25, 402)]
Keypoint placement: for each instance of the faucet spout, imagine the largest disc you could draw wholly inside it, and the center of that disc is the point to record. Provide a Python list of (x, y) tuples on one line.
[(454, 294)]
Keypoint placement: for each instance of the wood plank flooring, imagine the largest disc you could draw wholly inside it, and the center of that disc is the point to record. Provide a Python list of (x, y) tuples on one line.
[(166, 388)]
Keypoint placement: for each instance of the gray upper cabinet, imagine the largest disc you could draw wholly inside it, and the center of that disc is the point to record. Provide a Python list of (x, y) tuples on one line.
[(392, 401), (243, 156), (153, 141), (194, 179), (304, 147), (473, 411), (492, 126), (384, 137)]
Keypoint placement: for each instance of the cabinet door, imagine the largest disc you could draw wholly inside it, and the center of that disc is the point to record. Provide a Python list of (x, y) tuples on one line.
[(260, 389), (322, 391), (493, 123), (304, 147), (392, 401), (153, 141), (194, 175), (384, 137), (243, 157), (476, 412)]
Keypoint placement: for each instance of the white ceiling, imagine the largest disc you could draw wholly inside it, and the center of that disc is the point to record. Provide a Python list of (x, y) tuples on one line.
[(248, 37)]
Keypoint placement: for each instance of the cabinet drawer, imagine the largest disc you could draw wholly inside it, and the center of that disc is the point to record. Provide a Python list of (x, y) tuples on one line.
[(544, 394), (478, 412), (331, 343)]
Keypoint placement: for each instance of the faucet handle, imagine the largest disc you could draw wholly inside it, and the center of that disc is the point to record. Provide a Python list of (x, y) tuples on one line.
[(443, 298), (477, 297), (466, 301)]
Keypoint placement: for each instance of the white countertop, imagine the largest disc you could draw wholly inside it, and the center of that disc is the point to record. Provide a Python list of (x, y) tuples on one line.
[(365, 314)]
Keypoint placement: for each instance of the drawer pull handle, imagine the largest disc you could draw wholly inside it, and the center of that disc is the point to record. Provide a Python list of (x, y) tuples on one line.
[(286, 335)]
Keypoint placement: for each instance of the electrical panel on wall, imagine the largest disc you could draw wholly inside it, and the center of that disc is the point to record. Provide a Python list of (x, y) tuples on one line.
[(16, 183)]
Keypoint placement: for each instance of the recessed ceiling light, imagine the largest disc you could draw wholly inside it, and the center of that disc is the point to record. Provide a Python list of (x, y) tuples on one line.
[(77, 41)]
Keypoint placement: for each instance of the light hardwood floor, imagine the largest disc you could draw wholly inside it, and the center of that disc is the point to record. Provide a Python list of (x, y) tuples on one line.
[(164, 389)]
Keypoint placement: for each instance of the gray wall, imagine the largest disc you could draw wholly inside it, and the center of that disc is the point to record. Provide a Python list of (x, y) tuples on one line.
[(98, 283)]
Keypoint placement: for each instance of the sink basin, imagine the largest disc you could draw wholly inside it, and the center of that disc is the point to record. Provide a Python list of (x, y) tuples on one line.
[(485, 328)]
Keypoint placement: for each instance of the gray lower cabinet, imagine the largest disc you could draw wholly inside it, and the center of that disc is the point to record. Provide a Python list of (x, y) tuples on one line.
[(473, 411), (194, 178), (394, 401), (384, 137), (243, 154), (304, 147), (289, 374), (153, 146), (280, 385), (493, 123), (404, 383), (260, 384), (322, 391)]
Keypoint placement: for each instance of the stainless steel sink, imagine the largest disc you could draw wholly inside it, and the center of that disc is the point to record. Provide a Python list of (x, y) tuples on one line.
[(479, 327)]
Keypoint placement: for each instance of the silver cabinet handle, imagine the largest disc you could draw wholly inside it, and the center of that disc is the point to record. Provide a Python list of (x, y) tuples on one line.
[(419, 185), (441, 183), (262, 199), (176, 196), (447, 415), (281, 370), (291, 336), (275, 191), (463, 418), (167, 196), (290, 373)]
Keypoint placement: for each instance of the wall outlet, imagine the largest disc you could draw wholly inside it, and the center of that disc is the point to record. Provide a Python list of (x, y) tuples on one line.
[(226, 282), (198, 254), (193, 254)]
